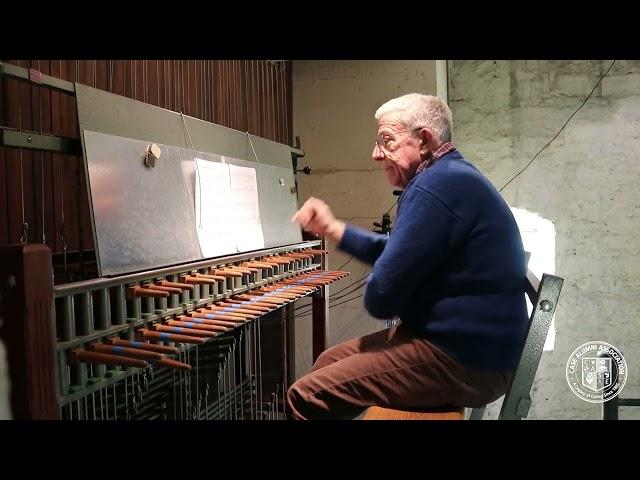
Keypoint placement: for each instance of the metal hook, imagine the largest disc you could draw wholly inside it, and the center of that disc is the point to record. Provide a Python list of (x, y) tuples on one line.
[(25, 233)]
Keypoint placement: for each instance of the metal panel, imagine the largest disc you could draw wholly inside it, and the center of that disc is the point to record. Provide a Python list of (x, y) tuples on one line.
[(104, 112), (144, 218)]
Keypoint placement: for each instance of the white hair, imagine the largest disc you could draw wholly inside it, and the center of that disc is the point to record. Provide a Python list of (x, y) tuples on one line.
[(415, 110)]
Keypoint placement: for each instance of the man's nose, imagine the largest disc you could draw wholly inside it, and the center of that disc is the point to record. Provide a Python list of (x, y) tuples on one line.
[(377, 154)]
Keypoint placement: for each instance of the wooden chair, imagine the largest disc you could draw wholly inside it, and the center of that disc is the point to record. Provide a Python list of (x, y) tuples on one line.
[(380, 413), (543, 295), (610, 408)]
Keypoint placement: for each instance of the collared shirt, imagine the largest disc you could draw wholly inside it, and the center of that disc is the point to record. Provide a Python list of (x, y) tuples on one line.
[(435, 155)]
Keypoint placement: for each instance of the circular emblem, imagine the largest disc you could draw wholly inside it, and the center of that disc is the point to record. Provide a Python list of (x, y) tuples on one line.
[(596, 372)]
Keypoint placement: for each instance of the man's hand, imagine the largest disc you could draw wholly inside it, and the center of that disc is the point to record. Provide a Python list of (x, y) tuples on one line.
[(316, 217)]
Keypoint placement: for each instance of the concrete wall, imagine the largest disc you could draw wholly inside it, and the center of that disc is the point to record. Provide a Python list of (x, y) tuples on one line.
[(333, 107), (586, 182)]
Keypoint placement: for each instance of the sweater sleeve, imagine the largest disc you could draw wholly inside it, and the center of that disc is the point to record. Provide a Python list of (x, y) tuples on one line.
[(365, 246), (424, 233)]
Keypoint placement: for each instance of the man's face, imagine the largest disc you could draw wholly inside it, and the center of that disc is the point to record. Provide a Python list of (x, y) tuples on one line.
[(397, 150)]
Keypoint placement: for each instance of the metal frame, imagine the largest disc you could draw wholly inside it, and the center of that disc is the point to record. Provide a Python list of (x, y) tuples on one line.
[(31, 140), (48, 322), (610, 409), (34, 76), (544, 296)]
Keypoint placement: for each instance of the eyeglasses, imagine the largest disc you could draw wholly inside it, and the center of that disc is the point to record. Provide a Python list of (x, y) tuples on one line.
[(383, 140)]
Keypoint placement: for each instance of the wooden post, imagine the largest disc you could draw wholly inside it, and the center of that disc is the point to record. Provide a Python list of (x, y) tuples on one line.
[(27, 329)]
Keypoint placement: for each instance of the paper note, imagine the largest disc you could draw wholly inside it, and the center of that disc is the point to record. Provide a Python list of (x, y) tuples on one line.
[(215, 217), (246, 208)]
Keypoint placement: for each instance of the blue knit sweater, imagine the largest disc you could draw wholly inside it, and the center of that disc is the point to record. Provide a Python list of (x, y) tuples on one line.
[(453, 268)]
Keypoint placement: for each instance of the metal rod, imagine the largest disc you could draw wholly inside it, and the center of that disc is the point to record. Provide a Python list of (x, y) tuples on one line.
[(101, 405), (218, 389), (134, 400), (190, 394), (174, 395), (224, 387), (233, 377), (118, 305), (259, 360), (249, 350), (273, 405), (206, 400), (254, 358), (198, 383), (180, 386), (103, 309), (67, 318), (241, 352), (132, 408), (115, 403), (86, 313), (227, 380), (106, 401)]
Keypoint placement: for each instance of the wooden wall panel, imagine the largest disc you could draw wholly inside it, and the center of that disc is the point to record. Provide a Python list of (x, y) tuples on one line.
[(248, 95)]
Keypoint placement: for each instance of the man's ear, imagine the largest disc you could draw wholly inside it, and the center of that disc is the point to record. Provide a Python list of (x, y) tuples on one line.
[(426, 138)]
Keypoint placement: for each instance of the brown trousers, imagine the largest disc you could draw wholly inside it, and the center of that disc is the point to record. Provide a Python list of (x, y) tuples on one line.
[(391, 368)]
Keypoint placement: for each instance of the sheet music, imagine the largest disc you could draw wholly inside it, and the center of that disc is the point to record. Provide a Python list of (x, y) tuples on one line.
[(246, 208), (215, 217)]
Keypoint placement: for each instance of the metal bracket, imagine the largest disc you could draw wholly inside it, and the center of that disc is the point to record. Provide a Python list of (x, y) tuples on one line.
[(36, 141), (36, 77)]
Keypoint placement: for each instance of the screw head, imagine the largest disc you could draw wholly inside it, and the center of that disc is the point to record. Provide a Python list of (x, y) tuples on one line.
[(546, 306)]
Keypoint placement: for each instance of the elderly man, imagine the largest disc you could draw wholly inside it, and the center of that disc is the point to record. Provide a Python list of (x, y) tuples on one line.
[(453, 270)]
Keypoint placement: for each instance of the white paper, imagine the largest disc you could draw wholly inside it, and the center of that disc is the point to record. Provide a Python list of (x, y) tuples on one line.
[(539, 238), (246, 208), (215, 217)]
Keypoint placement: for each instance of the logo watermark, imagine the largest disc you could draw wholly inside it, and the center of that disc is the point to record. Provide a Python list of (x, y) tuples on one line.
[(596, 372)]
